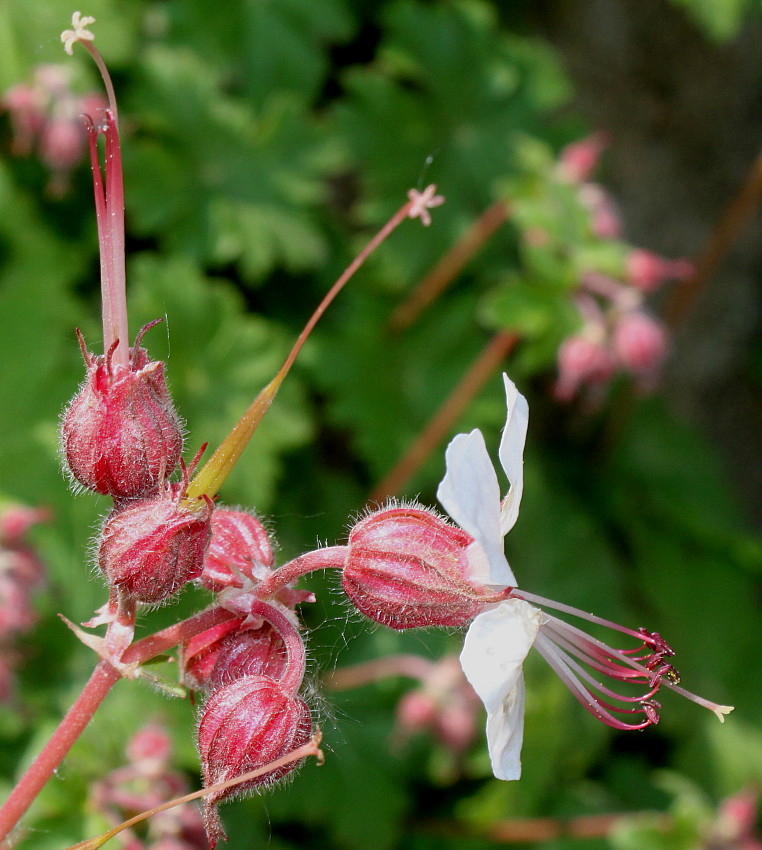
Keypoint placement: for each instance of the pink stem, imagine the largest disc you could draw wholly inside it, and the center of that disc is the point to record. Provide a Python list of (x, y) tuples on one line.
[(292, 679), (332, 557), (103, 678)]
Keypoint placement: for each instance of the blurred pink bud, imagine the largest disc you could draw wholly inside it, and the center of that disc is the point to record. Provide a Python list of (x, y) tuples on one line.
[(582, 360), (606, 221), (150, 748), (239, 548), (405, 567), (640, 343), (26, 108), (416, 710), (62, 144), (120, 434), (16, 612), (149, 548), (647, 271), (16, 520), (578, 160), (245, 725)]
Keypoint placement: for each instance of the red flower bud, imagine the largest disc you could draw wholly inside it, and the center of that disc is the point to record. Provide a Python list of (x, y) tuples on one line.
[(121, 435), (199, 654), (151, 547), (239, 547), (406, 567), (245, 725), (255, 652), (224, 653)]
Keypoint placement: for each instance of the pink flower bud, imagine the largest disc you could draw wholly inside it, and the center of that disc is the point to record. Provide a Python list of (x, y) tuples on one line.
[(16, 520), (254, 652), (640, 343), (150, 548), (578, 160), (227, 652), (245, 725), (149, 748), (239, 547), (606, 221), (405, 567), (62, 144), (582, 360), (646, 271), (121, 435), (199, 654)]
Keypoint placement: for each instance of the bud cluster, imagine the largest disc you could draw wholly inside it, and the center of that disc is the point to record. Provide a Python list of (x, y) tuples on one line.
[(45, 115), (250, 667), (147, 781), (617, 333)]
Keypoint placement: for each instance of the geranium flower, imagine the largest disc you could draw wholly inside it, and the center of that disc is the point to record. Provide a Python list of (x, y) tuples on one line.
[(501, 635)]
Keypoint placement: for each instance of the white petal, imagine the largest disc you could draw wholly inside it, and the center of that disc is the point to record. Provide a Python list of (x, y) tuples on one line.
[(470, 493), (511, 452), (505, 734), (496, 645)]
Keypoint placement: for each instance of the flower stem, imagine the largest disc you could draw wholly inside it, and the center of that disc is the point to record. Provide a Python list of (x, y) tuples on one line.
[(331, 557), (211, 478), (103, 678), (480, 370)]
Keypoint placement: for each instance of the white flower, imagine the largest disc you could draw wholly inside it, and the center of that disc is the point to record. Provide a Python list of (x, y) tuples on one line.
[(501, 635)]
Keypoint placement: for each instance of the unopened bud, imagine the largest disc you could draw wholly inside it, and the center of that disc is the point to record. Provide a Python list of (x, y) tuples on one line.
[(121, 435), (405, 567), (227, 652), (151, 547), (246, 725), (239, 548), (640, 343), (582, 360), (646, 271)]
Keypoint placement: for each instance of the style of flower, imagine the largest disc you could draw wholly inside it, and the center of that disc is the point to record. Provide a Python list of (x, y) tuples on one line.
[(501, 635)]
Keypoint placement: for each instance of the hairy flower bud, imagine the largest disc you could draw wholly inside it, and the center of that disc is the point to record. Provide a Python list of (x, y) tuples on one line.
[(151, 547), (121, 435), (254, 652), (406, 567), (229, 651), (239, 547), (244, 725)]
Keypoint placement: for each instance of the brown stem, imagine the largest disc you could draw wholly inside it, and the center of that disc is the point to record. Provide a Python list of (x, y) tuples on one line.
[(480, 370), (438, 279), (721, 240)]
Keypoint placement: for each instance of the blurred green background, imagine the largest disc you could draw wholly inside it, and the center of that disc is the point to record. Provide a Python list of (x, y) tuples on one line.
[(264, 142)]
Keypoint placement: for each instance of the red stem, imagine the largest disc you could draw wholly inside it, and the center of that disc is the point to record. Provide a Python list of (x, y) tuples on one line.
[(103, 678), (331, 557)]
